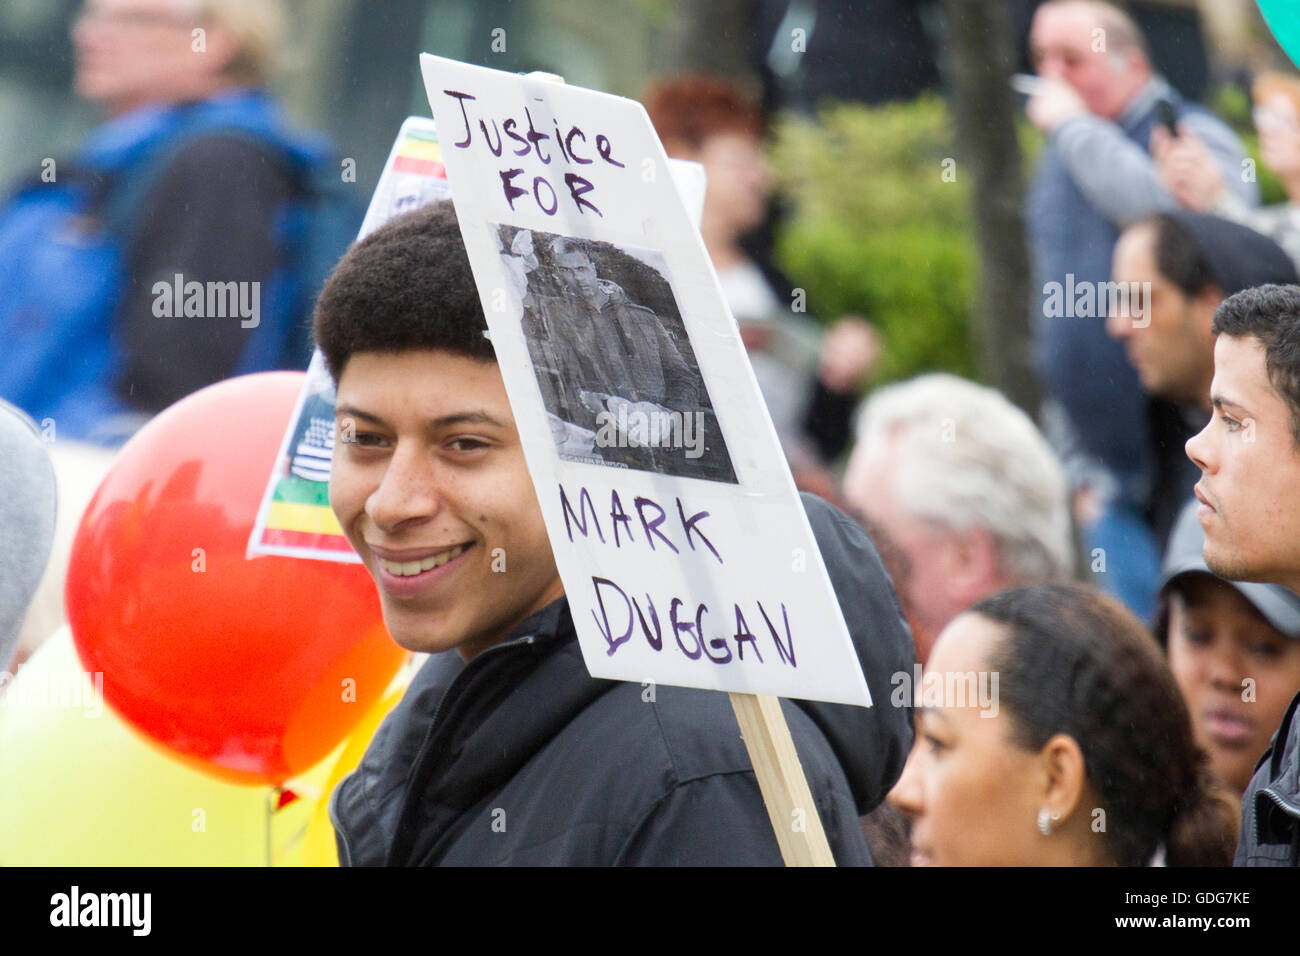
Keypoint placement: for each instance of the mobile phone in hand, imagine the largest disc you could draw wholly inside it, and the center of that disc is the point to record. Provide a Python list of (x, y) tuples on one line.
[(1167, 116)]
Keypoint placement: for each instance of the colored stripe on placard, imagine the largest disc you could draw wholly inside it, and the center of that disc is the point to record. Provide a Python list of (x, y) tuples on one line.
[(422, 167), (421, 149), (304, 539), (313, 519)]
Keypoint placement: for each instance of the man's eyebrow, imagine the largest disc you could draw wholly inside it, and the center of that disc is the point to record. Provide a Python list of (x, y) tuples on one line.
[(351, 411), (477, 417), (466, 418), (1220, 402)]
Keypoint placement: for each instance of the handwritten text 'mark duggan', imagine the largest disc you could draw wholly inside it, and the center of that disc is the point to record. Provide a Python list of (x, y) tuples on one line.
[(622, 614)]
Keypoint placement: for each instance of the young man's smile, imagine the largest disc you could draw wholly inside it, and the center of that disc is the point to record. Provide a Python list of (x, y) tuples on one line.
[(406, 574), (432, 490)]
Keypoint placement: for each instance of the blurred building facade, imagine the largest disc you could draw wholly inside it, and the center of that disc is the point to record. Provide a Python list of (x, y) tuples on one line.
[(351, 67)]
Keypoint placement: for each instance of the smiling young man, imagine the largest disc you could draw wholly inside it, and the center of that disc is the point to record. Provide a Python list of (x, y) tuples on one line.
[(504, 750), (1249, 456)]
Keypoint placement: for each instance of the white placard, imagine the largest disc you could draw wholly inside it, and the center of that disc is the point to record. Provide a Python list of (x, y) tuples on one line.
[(294, 519), (684, 551)]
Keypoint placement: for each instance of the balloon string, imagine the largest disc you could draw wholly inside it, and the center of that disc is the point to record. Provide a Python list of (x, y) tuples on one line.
[(272, 807), (294, 840), (272, 801)]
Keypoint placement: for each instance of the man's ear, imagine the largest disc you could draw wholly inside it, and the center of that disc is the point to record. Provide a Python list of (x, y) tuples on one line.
[(1208, 299), (1124, 61), (219, 50), (975, 563)]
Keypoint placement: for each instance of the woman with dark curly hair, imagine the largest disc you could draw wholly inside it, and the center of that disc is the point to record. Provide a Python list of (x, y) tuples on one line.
[(810, 382), (1083, 755)]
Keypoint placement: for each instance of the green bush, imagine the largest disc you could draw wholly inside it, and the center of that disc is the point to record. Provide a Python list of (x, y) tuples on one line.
[(875, 228)]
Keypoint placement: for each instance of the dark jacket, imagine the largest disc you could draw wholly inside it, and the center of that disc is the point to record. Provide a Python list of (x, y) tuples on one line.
[(1270, 811), (521, 757)]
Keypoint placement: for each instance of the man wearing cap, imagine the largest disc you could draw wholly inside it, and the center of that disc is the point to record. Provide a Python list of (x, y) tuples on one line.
[(1182, 265), (1234, 648)]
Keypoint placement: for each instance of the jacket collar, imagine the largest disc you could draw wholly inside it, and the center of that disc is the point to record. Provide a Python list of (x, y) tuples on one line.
[(120, 141), (459, 734), (1277, 803), (366, 805)]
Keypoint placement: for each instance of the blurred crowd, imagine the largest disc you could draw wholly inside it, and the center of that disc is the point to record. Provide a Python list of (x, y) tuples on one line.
[(1059, 548)]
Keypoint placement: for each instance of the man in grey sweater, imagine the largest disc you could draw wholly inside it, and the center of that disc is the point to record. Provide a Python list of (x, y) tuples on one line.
[(1099, 106)]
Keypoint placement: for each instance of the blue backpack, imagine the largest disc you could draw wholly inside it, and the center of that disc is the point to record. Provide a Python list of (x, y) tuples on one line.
[(63, 267)]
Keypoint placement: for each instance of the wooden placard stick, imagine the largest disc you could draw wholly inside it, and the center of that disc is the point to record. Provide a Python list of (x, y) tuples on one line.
[(785, 790)]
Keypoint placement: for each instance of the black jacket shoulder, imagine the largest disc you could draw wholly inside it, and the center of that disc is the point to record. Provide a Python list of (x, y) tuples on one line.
[(1270, 810), (522, 758), (648, 775)]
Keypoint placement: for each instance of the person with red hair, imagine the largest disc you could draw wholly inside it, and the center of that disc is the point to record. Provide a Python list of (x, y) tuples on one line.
[(811, 390)]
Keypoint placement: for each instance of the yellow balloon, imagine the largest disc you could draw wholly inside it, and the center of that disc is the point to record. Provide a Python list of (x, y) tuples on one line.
[(79, 787), (321, 848)]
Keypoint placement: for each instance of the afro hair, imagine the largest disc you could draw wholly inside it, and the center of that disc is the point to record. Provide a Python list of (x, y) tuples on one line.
[(407, 285)]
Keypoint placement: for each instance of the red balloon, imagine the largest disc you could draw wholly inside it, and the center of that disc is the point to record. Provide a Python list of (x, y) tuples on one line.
[(253, 670)]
